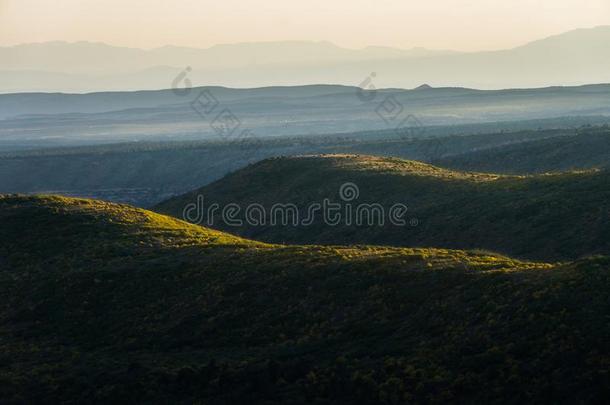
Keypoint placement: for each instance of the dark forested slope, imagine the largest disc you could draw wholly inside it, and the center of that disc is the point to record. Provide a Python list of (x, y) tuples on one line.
[(559, 216), (108, 303)]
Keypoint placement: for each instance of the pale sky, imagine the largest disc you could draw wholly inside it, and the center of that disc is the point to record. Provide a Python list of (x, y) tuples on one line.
[(466, 25)]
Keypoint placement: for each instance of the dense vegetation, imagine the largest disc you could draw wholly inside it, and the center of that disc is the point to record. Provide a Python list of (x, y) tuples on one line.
[(146, 173), (589, 148), (107, 303), (549, 217)]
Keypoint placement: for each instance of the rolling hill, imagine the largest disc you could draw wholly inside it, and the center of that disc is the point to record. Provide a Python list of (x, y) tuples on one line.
[(103, 303), (550, 217), (587, 149), (147, 173)]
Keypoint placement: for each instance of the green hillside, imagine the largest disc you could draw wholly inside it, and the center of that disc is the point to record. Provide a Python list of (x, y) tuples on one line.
[(588, 149), (147, 173), (107, 303), (544, 217)]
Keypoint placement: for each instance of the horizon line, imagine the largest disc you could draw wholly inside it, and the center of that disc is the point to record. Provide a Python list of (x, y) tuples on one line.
[(302, 41)]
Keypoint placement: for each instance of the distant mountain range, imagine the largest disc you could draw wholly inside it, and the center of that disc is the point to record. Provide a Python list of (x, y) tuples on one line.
[(41, 119), (572, 58), (94, 57)]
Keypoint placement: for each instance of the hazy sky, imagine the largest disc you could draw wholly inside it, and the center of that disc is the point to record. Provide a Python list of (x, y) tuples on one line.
[(448, 24)]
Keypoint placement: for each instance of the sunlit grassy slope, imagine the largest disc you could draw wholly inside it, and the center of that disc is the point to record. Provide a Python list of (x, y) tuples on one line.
[(545, 217), (82, 230), (108, 303)]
